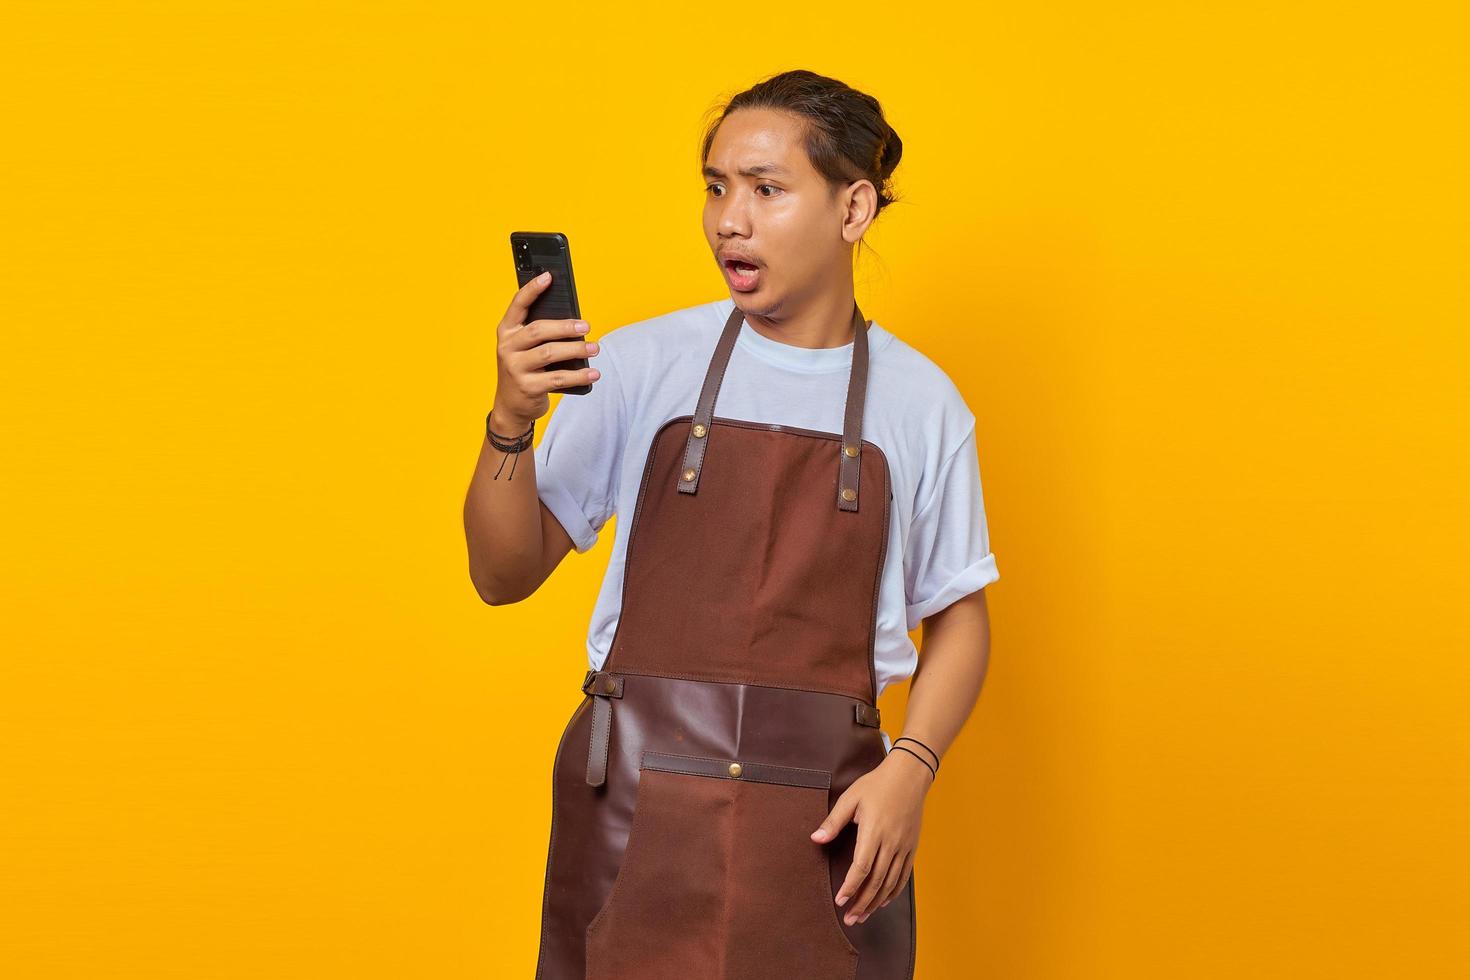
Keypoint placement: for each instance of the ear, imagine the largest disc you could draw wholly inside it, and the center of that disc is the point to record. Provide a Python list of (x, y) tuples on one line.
[(859, 203)]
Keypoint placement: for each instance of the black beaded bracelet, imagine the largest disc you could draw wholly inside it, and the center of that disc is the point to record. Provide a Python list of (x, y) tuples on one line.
[(929, 750), (932, 771), (511, 445)]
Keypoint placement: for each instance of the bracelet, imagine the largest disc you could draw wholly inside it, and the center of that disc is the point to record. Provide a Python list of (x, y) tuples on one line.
[(932, 771), (511, 445), (917, 742)]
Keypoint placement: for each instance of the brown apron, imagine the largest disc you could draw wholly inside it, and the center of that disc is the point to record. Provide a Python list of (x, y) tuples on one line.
[(737, 702)]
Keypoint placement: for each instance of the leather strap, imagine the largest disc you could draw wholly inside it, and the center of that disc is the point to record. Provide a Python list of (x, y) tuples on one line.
[(849, 450), (852, 422), (603, 687)]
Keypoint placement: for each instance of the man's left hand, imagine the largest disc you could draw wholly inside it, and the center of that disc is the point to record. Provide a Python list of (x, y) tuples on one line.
[(887, 804)]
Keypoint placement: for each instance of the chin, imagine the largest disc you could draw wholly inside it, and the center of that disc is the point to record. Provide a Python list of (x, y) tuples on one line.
[(751, 306)]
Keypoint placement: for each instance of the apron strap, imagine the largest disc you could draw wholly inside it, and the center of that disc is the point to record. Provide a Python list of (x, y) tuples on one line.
[(602, 686), (849, 462), (852, 421)]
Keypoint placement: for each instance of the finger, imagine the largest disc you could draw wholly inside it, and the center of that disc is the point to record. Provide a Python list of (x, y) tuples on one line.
[(862, 902), (891, 883), (520, 303), (863, 856), (531, 335), (892, 864), (841, 813), (903, 878), (543, 382), (552, 351)]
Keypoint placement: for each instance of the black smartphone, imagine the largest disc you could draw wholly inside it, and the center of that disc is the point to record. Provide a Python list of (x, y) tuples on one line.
[(539, 251)]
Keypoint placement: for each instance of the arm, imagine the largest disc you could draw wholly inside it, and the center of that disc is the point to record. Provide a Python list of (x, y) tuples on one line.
[(951, 672), (888, 802), (514, 541)]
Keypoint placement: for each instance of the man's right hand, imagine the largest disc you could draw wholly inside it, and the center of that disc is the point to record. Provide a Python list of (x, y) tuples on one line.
[(522, 352)]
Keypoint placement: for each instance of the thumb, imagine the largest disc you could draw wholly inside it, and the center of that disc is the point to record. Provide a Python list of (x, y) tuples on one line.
[(842, 812)]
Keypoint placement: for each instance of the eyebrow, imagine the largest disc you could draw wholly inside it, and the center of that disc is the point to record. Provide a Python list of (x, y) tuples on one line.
[(757, 170)]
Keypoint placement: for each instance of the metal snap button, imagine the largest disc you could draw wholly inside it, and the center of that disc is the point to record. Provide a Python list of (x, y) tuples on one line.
[(609, 685), (688, 475), (848, 493), (734, 768), (850, 450), (699, 431)]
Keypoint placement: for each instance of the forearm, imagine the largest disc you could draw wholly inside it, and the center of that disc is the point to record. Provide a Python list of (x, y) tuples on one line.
[(502, 520), (953, 662)]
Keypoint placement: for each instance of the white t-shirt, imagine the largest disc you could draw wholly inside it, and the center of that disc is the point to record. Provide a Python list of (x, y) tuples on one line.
[(589, 462)]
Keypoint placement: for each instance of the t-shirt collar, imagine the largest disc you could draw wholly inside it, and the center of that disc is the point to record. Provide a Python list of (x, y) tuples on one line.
[(812, 360)]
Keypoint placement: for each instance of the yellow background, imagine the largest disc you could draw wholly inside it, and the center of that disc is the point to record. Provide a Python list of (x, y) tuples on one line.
[(1199, 271)]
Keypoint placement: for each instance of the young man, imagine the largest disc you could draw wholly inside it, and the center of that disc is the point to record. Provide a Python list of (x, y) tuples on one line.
[(725, 803)]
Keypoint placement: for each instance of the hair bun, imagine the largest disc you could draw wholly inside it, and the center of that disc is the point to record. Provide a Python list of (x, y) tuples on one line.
[(892, 150)]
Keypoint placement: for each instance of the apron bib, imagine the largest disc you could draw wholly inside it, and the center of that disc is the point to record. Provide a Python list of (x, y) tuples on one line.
[(737, 702)]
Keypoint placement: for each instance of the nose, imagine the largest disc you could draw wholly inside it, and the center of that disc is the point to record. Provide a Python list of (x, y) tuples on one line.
[(733, 216)]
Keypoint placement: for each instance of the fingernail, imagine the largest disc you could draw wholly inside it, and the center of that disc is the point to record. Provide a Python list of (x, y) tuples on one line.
[(581, 326), (595, 374), (543, 277), (819, 833), (592, 347), (842, 899)]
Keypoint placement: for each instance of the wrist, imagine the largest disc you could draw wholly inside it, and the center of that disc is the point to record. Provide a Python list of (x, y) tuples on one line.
[(923, 746), (913, 766), (506, 423)]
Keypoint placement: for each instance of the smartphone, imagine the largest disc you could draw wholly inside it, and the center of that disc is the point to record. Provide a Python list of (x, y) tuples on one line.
[(536, 252)]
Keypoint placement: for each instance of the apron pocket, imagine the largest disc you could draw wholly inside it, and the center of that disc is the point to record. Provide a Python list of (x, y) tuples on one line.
[(720, 878)]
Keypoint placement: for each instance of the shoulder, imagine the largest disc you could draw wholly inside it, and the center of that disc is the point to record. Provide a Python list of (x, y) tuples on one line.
[(929, 400)]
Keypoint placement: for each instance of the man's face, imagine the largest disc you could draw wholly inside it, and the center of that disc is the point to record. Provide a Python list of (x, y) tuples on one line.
[(766, 203)]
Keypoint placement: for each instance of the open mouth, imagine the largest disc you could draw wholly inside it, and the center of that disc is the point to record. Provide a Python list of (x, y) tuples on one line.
[(742, 275)]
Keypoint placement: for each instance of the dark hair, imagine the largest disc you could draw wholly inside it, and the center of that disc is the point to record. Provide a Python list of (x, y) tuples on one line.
[(847, 137)]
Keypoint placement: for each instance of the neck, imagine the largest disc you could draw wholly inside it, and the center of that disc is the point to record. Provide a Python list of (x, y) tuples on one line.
[(825, 321)]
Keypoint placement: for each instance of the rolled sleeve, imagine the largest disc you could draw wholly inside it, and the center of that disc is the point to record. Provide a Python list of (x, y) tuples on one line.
[(947, 555), (558, 499), (579, 459), (972, 578)]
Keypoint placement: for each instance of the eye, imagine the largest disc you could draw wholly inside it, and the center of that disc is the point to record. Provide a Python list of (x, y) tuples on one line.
[(710, 187)]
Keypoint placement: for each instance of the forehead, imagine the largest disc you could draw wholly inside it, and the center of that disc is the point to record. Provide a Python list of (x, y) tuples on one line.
[(756, 142)]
